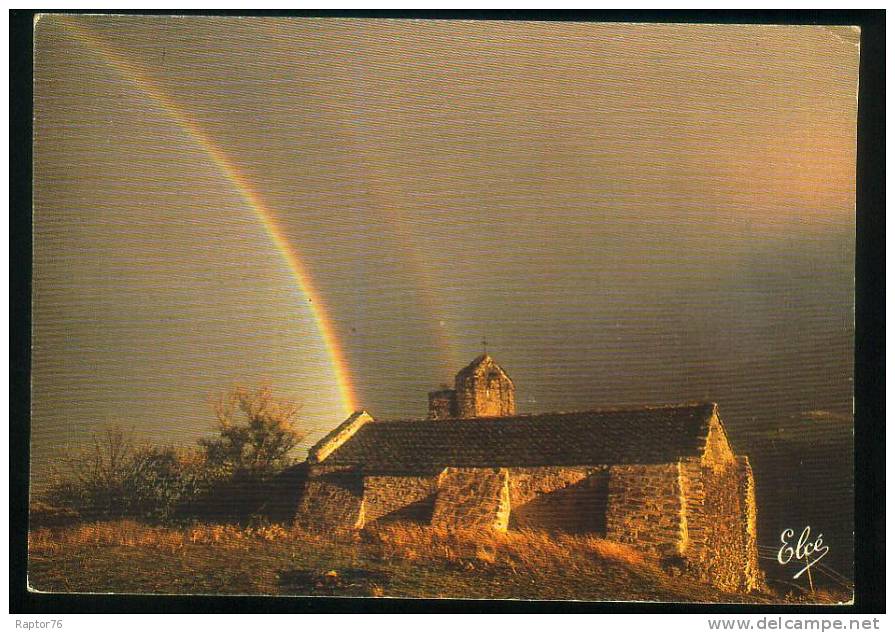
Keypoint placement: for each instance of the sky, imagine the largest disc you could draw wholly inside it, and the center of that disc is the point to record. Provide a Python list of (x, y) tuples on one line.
[(346, 208)]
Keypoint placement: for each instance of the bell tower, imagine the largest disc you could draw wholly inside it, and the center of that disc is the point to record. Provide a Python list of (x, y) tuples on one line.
[(483, 389)]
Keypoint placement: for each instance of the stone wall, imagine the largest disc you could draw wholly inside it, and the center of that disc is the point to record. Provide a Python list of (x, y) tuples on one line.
[(646, 508), (753, 578), (442, 404), (559, 499), (332, 501), (721, 514), (399, 498), (717, 451), (700, 509), (473, 498)]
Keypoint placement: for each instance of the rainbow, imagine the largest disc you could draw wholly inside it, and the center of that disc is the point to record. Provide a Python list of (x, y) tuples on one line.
[(391, 203), (133, 74)]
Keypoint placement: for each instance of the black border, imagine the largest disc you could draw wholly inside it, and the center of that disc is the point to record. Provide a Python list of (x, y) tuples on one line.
[(869, 336)]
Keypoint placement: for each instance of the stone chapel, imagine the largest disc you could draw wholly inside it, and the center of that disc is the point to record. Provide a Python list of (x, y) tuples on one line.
[(664, 479)]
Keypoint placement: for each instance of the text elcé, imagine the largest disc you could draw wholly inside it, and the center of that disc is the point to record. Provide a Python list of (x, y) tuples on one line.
[(804, 549)]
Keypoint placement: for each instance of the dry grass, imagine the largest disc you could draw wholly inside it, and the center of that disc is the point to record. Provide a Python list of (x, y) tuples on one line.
[(398, 541), (390, 560), (126, 533), (486, 548)]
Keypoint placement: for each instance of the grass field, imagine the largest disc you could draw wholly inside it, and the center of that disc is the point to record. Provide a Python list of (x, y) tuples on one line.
[(397, 561)]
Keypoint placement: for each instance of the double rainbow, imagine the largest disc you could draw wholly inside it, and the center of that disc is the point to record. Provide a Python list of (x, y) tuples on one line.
[(132, 73)]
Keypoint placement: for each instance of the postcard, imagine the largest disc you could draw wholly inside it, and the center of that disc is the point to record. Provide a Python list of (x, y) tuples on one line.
[(443, 308)]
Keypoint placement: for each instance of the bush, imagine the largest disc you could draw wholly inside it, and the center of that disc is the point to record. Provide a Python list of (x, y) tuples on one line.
[(228, 478), (113, 479), (44, 515), (164, 483), (256, 434)]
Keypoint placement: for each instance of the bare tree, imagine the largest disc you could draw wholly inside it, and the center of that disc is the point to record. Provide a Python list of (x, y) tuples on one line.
[(92, 479)]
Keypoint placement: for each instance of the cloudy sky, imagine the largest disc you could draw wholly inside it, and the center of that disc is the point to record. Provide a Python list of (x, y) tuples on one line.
[(628, 214)]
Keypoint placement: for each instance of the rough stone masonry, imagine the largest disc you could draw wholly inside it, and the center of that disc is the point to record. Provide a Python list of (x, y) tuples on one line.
[(662, 478)]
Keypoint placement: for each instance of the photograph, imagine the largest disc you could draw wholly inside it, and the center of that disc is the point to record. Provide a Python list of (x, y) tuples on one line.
[(502, 309)]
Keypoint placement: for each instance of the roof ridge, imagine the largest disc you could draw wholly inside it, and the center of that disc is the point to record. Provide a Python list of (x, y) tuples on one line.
[(645, 434), (694, 404)]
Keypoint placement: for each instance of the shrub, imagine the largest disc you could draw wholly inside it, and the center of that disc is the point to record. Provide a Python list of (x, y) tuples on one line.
[(164, 483), (226, 479), (113, 479), (256, 434)]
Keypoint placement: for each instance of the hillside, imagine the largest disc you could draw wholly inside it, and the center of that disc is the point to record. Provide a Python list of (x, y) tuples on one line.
[(804, 475), (399, 561)]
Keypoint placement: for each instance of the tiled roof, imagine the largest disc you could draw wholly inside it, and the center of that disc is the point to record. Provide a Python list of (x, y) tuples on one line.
[(611, 436)]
